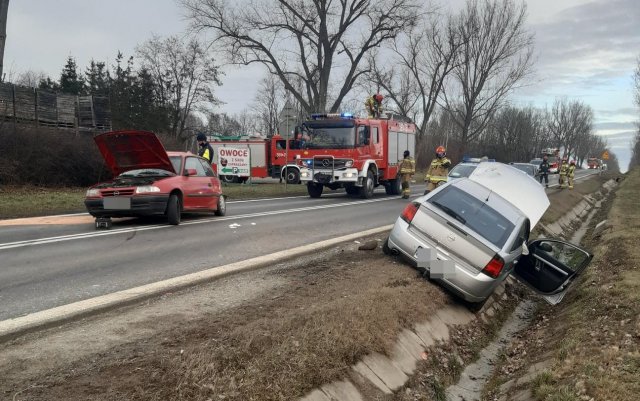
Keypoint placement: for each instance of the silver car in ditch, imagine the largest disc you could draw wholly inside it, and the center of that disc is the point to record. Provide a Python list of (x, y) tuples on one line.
[(471, 233)]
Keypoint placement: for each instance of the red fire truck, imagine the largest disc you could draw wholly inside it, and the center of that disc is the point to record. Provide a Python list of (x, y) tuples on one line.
[(357, 154), (593, 163), (271, 157)]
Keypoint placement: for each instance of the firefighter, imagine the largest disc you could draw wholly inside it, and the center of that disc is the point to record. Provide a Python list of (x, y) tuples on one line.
[(438, 170), (205, 151), (543, 173), (563, 173), (570, 173), (374, 105), (407, 170)]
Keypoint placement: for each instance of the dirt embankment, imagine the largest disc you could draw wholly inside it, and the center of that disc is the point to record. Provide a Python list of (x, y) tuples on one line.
[(588, 346), (271, 334)]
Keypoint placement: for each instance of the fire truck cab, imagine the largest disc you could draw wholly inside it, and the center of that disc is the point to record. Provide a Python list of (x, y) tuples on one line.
[(357, 154)]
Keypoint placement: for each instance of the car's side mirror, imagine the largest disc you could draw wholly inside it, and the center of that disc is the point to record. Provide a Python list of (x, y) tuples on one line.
[(545, 246), (190, 171)]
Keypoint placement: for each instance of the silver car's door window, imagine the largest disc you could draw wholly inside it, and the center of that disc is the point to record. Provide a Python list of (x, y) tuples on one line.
[(551, 266)]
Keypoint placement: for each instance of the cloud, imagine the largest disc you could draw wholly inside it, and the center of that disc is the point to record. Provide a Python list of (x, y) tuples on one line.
[(587, 45), (615, 125)]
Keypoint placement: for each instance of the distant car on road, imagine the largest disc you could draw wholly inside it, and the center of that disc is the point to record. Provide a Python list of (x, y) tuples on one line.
[(460, 170), (528, 168), (150, 181), (536, 162), (471, 233)]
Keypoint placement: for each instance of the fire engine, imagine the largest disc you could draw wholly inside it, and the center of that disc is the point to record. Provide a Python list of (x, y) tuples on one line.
[(553, 158), (593, 163), (357, 154), (271, 157)]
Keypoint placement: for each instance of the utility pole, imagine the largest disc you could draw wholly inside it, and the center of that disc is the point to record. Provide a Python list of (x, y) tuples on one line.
[(4, 8)]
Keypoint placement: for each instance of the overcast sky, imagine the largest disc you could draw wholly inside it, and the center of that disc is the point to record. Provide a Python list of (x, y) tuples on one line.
[(586, 50)]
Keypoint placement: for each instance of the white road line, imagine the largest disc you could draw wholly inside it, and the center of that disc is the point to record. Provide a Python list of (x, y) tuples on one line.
[(79, 236)]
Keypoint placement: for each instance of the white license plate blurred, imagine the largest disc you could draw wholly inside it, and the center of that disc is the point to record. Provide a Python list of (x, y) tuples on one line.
[(116, 203)]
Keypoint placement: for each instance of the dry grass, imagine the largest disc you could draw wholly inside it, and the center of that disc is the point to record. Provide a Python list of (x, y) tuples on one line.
[(25, 201), (310, 332)]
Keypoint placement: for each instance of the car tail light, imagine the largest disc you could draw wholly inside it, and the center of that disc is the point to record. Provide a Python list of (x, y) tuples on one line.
[(410, 211), (494, 267)]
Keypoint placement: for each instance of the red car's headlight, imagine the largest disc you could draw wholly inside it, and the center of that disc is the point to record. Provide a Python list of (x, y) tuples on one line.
[(92, 192), (145, 189)]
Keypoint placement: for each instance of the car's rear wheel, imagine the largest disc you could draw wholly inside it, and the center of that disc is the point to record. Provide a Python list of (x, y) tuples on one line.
[(229, 179), (222, 206), (173, 210)]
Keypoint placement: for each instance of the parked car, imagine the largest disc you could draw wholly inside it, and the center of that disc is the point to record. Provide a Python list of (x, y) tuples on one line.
[(528, 168), (536, 162), (151, 181), (471, 233), (460, 170)]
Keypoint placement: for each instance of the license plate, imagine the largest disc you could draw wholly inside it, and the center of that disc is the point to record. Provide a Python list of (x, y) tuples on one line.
[(116, 203)]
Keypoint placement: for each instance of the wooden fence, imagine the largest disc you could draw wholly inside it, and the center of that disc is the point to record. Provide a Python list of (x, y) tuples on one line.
[(43, 108)]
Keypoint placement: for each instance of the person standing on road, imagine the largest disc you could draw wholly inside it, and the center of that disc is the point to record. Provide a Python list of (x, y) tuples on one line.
[(438, 169), (407, 170), (570, 173), (544, 171), (205, 151), (562, 173)]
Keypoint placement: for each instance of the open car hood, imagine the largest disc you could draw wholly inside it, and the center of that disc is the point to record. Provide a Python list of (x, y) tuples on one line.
[(131, 150), (518, 189)]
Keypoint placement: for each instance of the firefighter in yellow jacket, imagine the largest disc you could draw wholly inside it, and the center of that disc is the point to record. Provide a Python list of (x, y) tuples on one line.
[(570, 173), (562, 173), (438, 169), (407, 170), (374, 105)]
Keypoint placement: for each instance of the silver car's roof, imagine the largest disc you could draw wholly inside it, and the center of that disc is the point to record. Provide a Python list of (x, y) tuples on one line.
[(526, 194)]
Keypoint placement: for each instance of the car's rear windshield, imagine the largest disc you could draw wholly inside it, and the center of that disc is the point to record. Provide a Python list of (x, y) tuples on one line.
[(474, 213)]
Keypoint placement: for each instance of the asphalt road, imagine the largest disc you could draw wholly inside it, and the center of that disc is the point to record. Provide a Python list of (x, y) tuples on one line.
[(49, 262)]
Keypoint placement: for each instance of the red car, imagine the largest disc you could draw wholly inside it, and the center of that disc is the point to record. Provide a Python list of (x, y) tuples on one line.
[(151, 181)]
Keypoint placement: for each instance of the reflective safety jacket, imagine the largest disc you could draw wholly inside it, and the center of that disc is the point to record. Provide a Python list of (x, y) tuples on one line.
[(408, 166), (206, 152), (571, 170), (438, 170), (563, 169), (373, 107)]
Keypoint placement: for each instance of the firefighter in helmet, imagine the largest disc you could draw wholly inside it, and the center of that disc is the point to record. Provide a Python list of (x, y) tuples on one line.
[(562, 171), (570, 173), (205, 151), (374, 105), (438, 169), (407, 170)]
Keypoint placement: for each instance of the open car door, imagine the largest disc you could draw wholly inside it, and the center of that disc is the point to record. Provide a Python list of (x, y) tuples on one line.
[(551, 266)]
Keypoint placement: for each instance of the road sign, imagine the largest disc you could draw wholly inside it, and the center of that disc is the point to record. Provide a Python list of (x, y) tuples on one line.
[(605, 155), (234, 161)]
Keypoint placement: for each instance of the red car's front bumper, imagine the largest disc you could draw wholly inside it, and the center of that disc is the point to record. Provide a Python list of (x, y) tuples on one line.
[(139, 206)]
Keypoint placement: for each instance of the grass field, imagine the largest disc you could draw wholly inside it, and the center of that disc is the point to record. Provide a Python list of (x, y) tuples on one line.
[(27, 201)]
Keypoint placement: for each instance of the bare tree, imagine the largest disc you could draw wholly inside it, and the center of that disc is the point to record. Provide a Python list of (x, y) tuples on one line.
[(635, 155), (184, 73), (570, 122), (267, 104), (494, 58), (30, 78), (414, 78), (305, 40)]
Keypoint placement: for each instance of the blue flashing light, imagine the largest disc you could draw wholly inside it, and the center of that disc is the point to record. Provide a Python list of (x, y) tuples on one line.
[(346, 115), (308, 162)]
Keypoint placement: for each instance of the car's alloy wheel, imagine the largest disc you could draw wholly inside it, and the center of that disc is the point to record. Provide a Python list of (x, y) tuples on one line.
[(293, 176)]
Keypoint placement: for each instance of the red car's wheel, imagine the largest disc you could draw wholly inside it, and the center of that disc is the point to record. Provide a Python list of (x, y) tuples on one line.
[(173, 210)]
